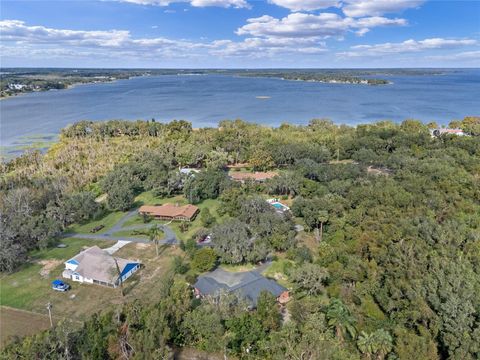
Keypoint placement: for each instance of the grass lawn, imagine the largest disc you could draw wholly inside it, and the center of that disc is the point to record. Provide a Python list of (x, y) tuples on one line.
[(107, 221), (20, 323), (138, 220), (29, 287), (141, 234), (147, 198), (277, 270), (237, 268)]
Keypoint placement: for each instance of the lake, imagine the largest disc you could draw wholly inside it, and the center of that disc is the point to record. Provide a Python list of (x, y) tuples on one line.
[(207, 99)]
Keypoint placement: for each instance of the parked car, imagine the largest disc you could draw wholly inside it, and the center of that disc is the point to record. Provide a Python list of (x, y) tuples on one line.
[(59, 285)]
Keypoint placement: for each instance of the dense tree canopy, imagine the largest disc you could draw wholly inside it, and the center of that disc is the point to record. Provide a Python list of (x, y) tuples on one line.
[(393, 271)]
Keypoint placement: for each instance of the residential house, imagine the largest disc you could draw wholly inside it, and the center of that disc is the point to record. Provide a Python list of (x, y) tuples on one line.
[(246, 285), (96, 266), (170, 212), (441, 131)]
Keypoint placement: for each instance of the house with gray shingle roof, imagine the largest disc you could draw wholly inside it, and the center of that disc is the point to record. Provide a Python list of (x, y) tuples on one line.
[(96, 266), (246, 285)]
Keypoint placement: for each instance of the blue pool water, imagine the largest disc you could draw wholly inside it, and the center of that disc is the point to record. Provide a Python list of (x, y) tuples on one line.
[(278, 206)]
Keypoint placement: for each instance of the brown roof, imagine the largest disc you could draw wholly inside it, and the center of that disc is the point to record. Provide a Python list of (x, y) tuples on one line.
[(257, 176), (95, 263), (170, 210)]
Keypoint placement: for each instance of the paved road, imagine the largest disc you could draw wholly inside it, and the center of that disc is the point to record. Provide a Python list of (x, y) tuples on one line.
[(169, 239)]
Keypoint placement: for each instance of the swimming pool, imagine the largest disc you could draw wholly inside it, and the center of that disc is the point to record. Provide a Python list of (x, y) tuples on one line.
[(279, 206)]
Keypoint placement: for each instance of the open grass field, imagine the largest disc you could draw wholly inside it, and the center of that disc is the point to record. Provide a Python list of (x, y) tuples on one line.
[(16, 322), (141, 234), (107, 221), (29, 287)]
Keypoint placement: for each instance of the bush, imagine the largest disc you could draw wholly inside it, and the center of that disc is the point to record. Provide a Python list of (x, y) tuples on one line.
[(207, 218), (179, 267), (191, 278), (204, 260), (190, 247), (184, 226)]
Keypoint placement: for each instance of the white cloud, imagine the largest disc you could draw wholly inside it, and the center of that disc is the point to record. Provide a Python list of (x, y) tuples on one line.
[(195, 3), (20, 39), (306, 5), (309, 25), (15, 30), (365, 24), (466, 55), (296, 25), (261, 47), (406, 47), (220, 3), (359, 8)]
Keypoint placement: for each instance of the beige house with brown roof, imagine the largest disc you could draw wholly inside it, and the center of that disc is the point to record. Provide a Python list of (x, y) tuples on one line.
[(170, 212), (96, 266)]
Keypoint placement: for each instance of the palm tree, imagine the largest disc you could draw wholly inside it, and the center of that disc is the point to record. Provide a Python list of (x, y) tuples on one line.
[(384, 343), (340, 318), (322, 217), (378, 343), (154, 236), (366, 344)]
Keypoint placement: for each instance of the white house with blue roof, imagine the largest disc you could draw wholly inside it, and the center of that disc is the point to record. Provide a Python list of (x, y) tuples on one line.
[(96, 266)]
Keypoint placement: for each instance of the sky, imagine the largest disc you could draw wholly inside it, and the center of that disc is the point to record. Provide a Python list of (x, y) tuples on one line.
[(239, 33)]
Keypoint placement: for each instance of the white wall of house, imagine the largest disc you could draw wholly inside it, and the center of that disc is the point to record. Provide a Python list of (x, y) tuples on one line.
[(70, 266)]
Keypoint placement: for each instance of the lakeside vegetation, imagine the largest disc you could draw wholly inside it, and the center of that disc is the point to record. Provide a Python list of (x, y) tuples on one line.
[(15, 81), (387, 267), (312, 76), (19, 81)]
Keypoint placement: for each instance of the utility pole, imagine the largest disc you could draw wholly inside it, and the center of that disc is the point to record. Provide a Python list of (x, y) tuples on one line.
[(49, 308)]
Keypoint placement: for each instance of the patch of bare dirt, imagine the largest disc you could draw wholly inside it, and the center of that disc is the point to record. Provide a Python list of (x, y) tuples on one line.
[(142, 245), (48, 265), (378, 171)]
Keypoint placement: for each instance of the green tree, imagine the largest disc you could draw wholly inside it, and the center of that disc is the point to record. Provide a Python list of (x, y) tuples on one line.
[(155, 234), (310, 278), (340, 319), (207, 218), (204, 259), (268, 311), (322, 218), (232, 241), (378, 343), (261, 160)]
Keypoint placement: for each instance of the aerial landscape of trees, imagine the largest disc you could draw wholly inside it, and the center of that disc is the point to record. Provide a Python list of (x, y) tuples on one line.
[(385, 265)]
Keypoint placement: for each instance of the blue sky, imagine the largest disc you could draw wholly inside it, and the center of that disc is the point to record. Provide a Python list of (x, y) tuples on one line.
[(240, 33)]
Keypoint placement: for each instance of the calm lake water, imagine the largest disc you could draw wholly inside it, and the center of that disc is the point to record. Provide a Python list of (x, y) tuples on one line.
[(207, 99)]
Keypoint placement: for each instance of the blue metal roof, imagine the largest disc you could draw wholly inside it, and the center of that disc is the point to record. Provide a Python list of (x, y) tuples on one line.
[(128, 267)]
